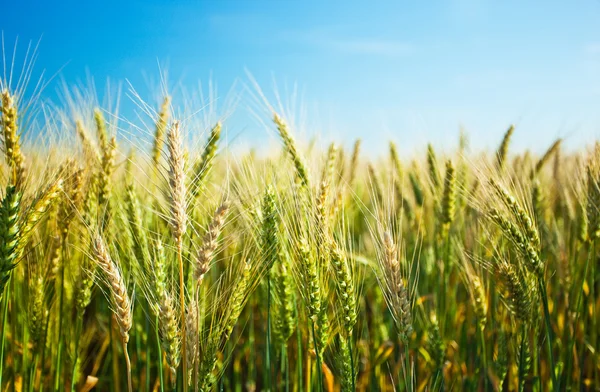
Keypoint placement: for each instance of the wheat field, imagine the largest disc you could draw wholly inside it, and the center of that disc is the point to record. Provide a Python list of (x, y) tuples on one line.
[(166, 264)]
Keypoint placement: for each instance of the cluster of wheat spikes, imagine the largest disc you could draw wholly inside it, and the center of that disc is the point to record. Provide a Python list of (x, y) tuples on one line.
[(181, 268)]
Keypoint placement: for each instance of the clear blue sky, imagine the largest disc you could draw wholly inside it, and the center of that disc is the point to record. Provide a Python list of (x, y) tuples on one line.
[(408, 70)]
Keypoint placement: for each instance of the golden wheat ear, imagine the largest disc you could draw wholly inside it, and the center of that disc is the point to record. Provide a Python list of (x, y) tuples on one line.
[(122, 305), (210, 242), (395, 291)]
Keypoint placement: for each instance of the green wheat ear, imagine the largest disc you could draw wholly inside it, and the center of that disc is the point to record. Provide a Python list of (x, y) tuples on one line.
[(416, 188), (354, 162), (136, 226), (170, 334), (518, 290), (435, 343), (554, 148), (36, 212), (286, 300), (101, 129), (523, 233), (205, 162), (396, 163), (236, 302), (344, 362), (449, 195), (345, 283), (270, 236), (503, 149), (107, 167), (38, 311), (311, 279), (290, 146), (9, 234), (10, 136), (161, 129), (434, 173), (591, 216), (375, 184)]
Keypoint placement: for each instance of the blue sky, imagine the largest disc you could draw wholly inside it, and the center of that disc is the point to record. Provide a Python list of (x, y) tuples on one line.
[(408, 71)]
